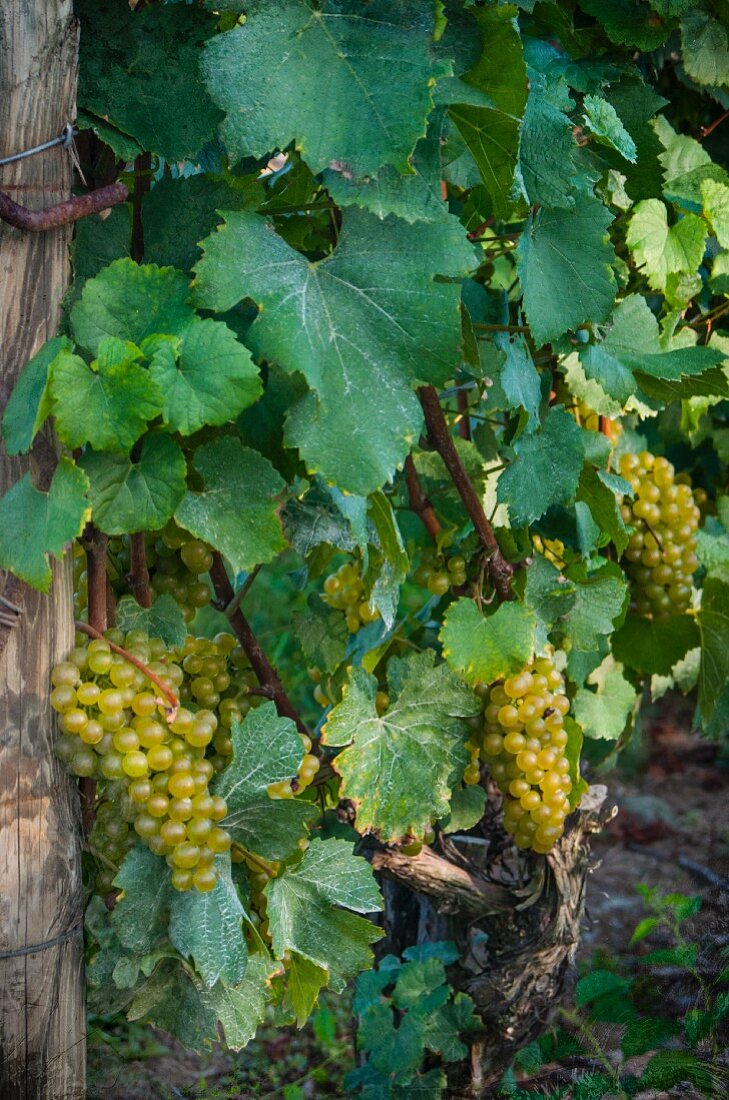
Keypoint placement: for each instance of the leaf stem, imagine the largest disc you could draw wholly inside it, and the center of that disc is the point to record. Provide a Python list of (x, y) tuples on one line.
[(501, 571), (241, 594), (419, 503), (85, 628), (264, 670)]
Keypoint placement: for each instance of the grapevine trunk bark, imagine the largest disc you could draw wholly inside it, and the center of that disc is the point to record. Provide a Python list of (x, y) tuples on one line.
[(515, 918), (42, 1025)]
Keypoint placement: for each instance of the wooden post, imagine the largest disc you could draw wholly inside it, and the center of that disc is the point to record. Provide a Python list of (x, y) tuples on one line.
[(42, 1022)]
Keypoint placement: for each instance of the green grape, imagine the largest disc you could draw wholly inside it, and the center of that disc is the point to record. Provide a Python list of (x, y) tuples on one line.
[(345, 591)]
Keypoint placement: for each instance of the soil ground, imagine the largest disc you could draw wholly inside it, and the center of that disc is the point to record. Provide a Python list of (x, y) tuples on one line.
[(671, 832)]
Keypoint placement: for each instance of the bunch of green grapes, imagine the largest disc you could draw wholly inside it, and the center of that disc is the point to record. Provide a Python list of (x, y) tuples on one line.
[(180, 562), (523, 742), (661, 554), (154, 773), (345, 591), (304, 777), (439, 573)]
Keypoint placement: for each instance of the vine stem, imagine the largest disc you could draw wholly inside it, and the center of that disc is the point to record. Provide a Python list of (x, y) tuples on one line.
[(264, 670), (440, 437), (171, 714), (138, 572), (419, 503)]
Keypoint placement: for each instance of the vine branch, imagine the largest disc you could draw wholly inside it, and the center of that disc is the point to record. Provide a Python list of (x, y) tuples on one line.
[(440, 437), (138, 573), (419, 503), (264, 670), (63, 213)]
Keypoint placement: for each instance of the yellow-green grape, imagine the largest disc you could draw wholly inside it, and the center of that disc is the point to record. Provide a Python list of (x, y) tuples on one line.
[(523, 742), (660, 557), (472, 774), (345, 591), (439, 573), (552, 549), (154, 777)]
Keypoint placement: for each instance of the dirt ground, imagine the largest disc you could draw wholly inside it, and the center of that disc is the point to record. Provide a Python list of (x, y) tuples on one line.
[(671, 832)]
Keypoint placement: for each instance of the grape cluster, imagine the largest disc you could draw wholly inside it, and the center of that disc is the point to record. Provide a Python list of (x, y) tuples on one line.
[(661, 554), (154, 773), (523, 742), (552, 549), (345, 591), (304, 777), (439, 573)]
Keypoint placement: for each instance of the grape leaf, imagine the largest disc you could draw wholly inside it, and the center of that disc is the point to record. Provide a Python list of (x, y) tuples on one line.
[(236, 510), (164, 619), (141, 913), (310, 910), (546, 591), (323, 634), (211, 383), (266, 749), (137, 494), (393, 569), (547, 180), (267, 76), (107, 404), (483, 649), (35, 524), (445, 1026), (599, 601), (467, 807), (604, 712), (305, 980), (715, 197), (415, 196), (206, 927), (139, 71), (29, 404), (131, 301), (633, 330), (603, 122), (401, 327), (600, 491), (653, 647), (713, 621), (398, 767), (564, 262), (628, 22), (546, 469), (174, 999), (661, 250), (177, 213), (705, 47), (492, 133)]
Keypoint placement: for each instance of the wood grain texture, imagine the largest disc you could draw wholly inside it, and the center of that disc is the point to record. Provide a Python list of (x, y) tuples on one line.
[(42, 1025)]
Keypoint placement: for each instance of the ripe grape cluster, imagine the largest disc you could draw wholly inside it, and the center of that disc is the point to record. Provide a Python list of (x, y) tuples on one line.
[(439, 573), (152, 763), (661, 554), (523, 742), (345, 591)]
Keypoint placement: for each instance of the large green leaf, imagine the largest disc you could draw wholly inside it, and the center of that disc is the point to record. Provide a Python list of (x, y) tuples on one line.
[(371, 65), (139, 71), (313, 907), (546, 145), (236, 509), (29, 404), (654, 646), (135, 494), (546, 469), (131, 301), (599, 601), (368, 319), (35, 524), (714, 628), (175, 1000), (164, 619), (266, 749), (399, 767), (485, 648), (705, 47), (107, 404), (211, 382), (564, 262), (601, 492), (491, 132)]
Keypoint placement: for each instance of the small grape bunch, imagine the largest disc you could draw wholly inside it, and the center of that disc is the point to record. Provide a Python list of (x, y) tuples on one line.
[(150, 761), (439, 573), (523, 742), (345, 591), (180, 562), (304, 777), (661, 554), (551, 549)]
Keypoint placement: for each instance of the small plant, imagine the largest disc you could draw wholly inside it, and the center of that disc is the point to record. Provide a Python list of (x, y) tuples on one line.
[(407, 1014), (575, 1061)]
